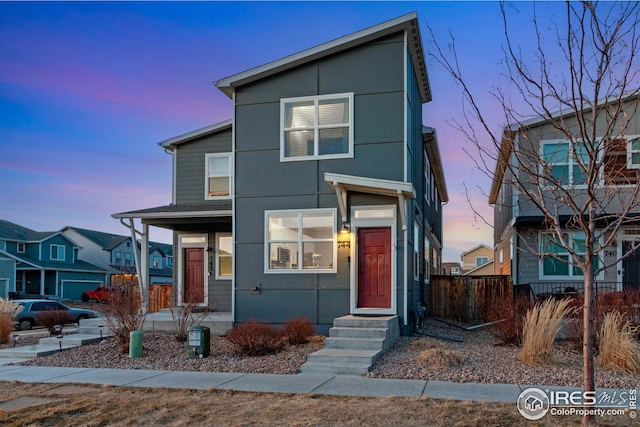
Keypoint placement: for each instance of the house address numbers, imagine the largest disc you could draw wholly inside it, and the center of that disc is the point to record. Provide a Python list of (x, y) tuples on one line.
[(344, 245)]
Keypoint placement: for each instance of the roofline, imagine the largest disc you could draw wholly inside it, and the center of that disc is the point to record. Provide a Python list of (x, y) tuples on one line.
[(476, 247), (408, 22), (473, 270), (176, 215), (506, 145), (430, 138), (189, 136)]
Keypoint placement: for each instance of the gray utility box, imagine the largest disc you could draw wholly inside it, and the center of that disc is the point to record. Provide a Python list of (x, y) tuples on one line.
[(198, 342)]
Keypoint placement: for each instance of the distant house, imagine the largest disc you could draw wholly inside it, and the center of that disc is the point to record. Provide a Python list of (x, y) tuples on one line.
[(43, 264), (114, 253), (323, 195), (451, 268), (478, 256)]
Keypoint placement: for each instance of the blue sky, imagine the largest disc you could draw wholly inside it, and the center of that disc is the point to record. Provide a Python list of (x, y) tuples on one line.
[(88, 89)]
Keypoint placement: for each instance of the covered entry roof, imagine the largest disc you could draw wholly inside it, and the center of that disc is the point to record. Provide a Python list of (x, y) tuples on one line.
[(177, 216), (344, 183)]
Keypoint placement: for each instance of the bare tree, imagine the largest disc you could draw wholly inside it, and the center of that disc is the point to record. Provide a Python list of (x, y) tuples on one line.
[(578, 87)]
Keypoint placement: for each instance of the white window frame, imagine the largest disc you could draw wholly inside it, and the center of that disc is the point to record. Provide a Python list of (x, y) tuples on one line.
[(479, 260), (570, 164), (631, 151), (207, 175), (20, 247), (60, 249), (219, 256), (316, 127), (571, 236), (427, 180), (300, 241)]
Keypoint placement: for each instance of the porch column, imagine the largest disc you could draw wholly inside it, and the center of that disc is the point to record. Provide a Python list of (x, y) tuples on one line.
[(144, 260), (42, 282)]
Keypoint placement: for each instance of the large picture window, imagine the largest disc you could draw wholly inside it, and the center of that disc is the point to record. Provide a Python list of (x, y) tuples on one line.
[(633, 153), (556, 261), (317, 126), (300, 241), (219, 176)]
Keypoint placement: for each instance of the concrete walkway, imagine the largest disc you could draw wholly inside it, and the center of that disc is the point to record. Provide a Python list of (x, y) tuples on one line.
[(339, 385)]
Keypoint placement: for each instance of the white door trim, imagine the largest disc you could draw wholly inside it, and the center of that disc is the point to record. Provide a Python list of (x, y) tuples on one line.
[(195, 240)]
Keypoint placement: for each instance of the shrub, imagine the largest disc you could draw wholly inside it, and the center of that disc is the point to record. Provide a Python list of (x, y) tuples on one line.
[(256, 339), (509, 315), (187, 315), (619, 350), (10, 308), (299, 331), (51, 318), (541, 325), (8, 312), (6, 326), (435, 355), (123, 314)]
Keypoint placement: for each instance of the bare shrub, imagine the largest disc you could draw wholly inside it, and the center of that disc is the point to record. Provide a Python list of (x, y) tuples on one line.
[(188, 314), (256, 339), (123, 314), (509, 315), (8, 312), (299, 331), (435, 355), (6, 326), (541, 325), (619, 350), (51, 318)]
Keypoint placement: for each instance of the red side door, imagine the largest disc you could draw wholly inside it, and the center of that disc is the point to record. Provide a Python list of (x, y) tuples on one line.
[(374, 268), (193, 275)]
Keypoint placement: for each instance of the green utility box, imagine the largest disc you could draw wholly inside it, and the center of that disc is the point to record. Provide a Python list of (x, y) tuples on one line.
[(198, 342)]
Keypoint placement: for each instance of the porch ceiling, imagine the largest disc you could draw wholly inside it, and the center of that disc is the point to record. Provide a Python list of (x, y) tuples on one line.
[(185, 217)]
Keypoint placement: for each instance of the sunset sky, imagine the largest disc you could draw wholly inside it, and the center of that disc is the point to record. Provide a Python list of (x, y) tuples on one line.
[(88, 89)]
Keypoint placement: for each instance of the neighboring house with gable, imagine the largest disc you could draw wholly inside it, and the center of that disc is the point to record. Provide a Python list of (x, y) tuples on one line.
[(322, 196), (114, 253), (478, 259), (43, 264), (523, 247)]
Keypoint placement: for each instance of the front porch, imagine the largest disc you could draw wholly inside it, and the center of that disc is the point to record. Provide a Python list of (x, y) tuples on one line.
[(162, 321)]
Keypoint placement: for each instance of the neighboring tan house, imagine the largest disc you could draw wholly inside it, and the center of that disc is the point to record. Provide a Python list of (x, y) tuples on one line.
[(43, 265), (114, 253), (322, 196), (479, 257), (519, 231)]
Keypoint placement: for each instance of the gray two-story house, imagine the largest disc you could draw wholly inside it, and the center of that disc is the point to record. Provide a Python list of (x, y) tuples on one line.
[(322, 196), (43, 265), (524, 246)]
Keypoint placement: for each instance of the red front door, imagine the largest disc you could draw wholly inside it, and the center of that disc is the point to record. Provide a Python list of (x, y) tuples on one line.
[(374, 267), (193, 275)]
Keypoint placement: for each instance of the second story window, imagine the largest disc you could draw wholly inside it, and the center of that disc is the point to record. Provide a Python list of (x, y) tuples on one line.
[(633, 154), (20, 248), (156, 262), (561, 163), (128, 258), (481, 260), (57, 253), (117, 257), (314, 127), (218, 169)]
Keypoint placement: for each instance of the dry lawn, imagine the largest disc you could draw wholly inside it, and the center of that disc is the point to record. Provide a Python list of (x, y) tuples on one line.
[(82, 405)]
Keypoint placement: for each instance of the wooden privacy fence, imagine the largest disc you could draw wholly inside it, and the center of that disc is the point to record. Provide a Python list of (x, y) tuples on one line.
[(466, 298), (159, 297)]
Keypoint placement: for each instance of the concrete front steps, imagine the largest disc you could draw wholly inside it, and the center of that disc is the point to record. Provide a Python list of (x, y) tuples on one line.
[(162, 321), (88, 332), (354, 344)]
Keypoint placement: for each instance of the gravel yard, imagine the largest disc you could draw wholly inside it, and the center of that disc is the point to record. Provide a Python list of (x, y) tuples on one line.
[(475, 359)]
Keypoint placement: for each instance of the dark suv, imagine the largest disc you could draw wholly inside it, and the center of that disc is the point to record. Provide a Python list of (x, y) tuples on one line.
[(26, 319)]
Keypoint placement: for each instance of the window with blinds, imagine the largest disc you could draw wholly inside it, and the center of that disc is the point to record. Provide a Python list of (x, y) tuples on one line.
[(316, 127)]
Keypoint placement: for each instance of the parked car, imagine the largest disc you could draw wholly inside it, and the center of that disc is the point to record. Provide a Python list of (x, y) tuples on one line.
[(100, 294), (31, 307)]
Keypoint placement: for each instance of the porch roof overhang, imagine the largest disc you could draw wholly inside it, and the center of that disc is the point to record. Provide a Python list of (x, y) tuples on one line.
[(345, 183), (169, 215)]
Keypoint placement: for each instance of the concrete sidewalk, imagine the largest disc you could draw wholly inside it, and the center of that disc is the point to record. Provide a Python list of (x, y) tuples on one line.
[(338, 385)]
